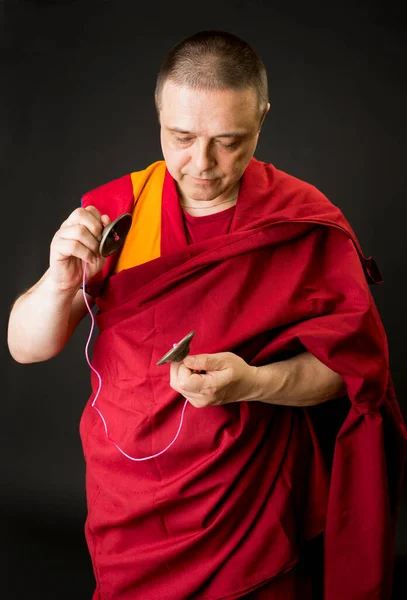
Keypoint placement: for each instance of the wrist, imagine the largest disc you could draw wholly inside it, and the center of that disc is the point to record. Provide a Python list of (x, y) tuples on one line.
[(270, 381), (254, 385), (58, 291)]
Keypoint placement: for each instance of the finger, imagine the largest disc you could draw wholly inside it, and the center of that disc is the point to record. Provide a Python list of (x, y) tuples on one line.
[(104, 219), (83, 213), (206, 362), (94, 211), (88, 217), (64, 248), (175, 382), (174, 367), (189, 382), (198, 402), (81, 234)]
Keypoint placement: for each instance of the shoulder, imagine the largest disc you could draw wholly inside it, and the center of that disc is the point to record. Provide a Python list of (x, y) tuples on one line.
[(294, 189), (291, 198), (117, 195)]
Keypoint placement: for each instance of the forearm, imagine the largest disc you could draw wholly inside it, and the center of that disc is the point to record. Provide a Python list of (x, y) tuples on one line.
[(300, 381), (41, 322)]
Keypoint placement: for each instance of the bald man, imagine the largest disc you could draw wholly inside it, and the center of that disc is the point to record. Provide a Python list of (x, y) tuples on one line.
[(270, 276)]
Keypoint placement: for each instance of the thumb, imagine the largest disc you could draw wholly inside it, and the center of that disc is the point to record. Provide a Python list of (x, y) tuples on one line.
[(204, 362), (92, 269)]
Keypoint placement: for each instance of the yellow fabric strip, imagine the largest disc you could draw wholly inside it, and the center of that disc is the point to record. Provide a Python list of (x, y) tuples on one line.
[(143, 241)]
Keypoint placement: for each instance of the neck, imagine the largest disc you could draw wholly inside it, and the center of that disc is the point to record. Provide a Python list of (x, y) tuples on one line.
[(209, 207)]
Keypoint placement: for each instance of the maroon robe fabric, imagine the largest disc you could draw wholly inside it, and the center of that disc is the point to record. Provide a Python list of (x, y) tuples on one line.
[(228, 507)]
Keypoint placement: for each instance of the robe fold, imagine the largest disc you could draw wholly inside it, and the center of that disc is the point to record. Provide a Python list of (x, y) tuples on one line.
[(229, 506)]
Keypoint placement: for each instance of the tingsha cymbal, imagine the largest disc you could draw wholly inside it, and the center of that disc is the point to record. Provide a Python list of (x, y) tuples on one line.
[(114, 235), (179, 351)]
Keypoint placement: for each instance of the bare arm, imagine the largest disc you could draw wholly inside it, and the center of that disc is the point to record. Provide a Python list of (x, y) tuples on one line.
[(300, 381), (214, 379), (44, 318)]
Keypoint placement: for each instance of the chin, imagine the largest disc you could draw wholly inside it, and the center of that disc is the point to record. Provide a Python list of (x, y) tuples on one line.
[(197, 195), (207, 189)]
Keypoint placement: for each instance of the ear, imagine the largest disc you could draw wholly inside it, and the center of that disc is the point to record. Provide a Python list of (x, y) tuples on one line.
[(264, 115)]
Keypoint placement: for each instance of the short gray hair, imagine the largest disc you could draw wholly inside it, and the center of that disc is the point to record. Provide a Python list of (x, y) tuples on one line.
[(214, 60)]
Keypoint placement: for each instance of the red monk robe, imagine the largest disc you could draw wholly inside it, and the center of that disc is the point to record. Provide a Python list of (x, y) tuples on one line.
[(227, 508)]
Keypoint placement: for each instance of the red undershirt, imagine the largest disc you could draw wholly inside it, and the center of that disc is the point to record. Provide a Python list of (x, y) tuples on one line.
[(207, 226)]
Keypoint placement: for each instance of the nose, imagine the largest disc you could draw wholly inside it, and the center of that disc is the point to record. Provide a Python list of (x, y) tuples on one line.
[(204, 158)]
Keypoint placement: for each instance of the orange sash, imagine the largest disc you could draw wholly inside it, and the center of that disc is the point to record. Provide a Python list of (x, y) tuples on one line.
[(144, 238)]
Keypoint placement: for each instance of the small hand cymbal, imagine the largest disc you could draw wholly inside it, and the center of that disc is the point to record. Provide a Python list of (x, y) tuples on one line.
[(179, 351), (114, 234)]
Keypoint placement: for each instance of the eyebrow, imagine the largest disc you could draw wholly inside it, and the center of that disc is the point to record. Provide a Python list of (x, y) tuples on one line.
[(232, 134)]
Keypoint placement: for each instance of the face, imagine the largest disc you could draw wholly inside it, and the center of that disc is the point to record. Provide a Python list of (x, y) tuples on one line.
[(208, 138)]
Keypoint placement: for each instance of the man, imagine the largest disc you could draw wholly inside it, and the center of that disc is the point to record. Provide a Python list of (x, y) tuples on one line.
[(270, 276)]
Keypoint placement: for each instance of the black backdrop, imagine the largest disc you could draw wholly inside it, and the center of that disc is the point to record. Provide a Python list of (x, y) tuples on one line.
[(77, 81)]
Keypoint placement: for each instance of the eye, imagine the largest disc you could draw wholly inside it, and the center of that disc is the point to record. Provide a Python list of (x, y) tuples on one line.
[(183, 140), (230, 146)]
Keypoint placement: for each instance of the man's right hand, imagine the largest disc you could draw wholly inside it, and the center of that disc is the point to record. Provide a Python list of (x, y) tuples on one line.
[(77, 241), (43, 318)]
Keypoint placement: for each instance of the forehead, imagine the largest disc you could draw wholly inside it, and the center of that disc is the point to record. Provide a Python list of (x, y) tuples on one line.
[(208, 112)]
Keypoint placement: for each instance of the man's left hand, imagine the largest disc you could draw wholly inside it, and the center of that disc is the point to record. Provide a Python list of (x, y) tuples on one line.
[(214, 379)]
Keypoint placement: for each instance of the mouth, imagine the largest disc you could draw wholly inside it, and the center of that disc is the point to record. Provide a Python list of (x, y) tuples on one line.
[(203, 181)]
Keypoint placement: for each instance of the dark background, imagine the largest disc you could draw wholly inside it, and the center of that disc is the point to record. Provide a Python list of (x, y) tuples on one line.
[(77, 110)]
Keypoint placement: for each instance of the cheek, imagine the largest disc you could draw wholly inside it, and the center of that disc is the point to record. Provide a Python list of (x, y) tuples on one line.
[(174, 159), (243, 157), (236, 163)]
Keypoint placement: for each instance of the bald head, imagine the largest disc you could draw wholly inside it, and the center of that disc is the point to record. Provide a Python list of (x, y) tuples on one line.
[(214, 61)]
